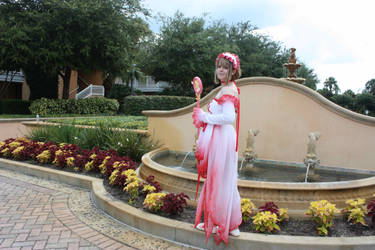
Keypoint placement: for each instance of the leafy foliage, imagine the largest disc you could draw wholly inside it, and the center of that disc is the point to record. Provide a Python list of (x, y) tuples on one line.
[(331, 85), (266, 221), (46, 106), (247, 208), (187, 47), (371, 210), (154, 201), (322, 212), (270, 206), (370, 86), (14, 106), (119, 92), (173, 204), (103, 137), (355, 211), (57, 36)]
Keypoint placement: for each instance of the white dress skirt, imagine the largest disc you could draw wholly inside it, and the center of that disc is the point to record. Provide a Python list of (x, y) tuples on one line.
[(219, 199)]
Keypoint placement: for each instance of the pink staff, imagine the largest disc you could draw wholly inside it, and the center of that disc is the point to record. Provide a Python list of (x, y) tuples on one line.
[(198, 88)]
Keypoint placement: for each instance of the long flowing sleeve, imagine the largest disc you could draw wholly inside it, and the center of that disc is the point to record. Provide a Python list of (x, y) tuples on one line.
[(228, 115)]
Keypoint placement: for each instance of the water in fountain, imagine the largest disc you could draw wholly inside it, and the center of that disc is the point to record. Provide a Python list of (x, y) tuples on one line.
[(266, 170)]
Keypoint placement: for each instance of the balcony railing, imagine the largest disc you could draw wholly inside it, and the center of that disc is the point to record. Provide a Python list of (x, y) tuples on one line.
[(91, 90)]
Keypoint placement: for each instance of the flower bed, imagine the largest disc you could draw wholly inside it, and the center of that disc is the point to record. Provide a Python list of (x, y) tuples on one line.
[(121, 179), (118, 170)]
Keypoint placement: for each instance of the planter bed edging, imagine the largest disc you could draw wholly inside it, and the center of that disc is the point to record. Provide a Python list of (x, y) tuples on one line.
[(181, 231)]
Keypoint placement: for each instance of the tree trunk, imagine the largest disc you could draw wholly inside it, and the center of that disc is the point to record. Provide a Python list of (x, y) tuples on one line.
[(66, 83)]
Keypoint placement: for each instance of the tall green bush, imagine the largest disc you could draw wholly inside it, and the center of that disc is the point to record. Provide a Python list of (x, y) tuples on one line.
[(46, 106), (14, 106), (119, 92)]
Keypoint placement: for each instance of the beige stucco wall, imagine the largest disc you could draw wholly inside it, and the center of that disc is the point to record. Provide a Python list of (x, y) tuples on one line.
[(285, 113)]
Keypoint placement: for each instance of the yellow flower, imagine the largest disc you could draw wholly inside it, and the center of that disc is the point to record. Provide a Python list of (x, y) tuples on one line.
[(92, 157), (14, 144), (44, 156), (154, 201), (70, 161), (102, 166), (2, 143), (89, 165), (131, 186), (113, 176), (17, 151), (130, 172), (148, 188), (5, 151)]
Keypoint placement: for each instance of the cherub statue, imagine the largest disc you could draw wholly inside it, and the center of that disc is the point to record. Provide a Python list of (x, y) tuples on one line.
[(250, 139), (311, 145)]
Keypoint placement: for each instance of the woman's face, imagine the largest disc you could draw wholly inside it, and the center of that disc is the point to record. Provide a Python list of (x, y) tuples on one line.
[(222, 71)]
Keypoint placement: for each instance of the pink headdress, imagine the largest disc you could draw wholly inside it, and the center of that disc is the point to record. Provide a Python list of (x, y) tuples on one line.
[(233, 58)]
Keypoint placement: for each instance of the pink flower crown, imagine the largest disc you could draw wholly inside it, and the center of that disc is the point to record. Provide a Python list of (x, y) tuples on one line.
[(233, 58)]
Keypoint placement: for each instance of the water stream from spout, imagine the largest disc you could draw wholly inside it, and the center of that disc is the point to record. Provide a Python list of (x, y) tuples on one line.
[(187, 154), (242, 163), (307, 171)]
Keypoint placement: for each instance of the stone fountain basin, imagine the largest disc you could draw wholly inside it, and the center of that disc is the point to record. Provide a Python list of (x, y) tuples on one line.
[(295, 196)]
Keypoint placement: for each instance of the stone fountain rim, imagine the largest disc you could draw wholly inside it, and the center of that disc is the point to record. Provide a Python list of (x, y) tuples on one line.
[(147, 160)]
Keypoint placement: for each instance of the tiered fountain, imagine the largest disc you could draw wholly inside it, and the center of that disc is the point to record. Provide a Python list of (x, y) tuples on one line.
[(292, 66)]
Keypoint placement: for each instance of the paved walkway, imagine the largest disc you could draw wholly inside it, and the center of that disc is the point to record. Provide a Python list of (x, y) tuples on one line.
[(40, 214)]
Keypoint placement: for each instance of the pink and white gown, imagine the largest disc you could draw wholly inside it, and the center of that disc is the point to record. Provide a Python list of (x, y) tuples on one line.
[(219, 199)]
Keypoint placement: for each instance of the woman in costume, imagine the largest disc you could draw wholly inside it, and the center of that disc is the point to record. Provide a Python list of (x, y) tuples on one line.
[(217, 155)]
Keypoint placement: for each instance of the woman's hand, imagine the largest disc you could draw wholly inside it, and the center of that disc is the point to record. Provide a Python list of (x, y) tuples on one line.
[(198, 115)]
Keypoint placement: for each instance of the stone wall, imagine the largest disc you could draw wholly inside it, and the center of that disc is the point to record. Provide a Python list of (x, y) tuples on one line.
[(285, 113)]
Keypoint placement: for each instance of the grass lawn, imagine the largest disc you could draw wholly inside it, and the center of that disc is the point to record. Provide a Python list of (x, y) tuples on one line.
[(130, 122)]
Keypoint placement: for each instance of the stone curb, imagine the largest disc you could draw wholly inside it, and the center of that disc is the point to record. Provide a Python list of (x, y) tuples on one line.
[(180, 231)]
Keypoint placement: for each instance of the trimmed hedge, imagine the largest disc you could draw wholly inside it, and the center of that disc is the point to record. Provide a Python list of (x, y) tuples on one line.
[(14, 106), (134, 105), (95, 105)]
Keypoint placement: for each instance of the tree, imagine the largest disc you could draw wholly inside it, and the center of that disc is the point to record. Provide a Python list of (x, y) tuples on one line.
[(187, 47), (365, 102), (326, 93), (311, 78), (259, 55), (370, 86), (57, 36), (331, 84), (183, 49), (344, 100), (350, 93)]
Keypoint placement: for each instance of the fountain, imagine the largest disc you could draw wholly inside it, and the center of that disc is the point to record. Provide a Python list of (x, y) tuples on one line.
[(280, 170), (292, 66)]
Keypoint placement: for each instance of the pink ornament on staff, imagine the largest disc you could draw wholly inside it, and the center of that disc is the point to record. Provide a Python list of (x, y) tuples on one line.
[(198, 88)]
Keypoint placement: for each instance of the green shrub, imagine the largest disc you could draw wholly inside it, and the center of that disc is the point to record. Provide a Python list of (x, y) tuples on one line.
[(126, 143), (134, 105), (14, 106), (119, 92), (46, 106)]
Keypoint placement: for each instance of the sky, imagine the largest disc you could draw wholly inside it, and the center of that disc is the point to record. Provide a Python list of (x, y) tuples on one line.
[(336, 38)]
